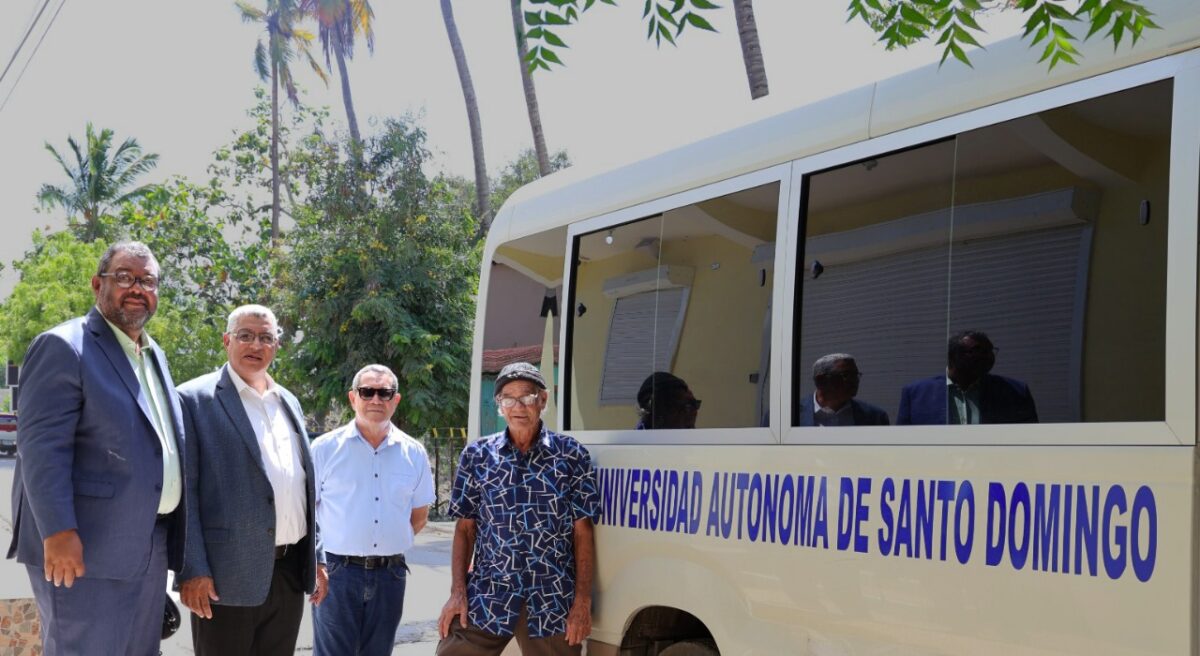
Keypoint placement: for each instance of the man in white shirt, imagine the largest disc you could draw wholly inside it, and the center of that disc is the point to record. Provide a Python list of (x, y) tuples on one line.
[(250, 557), (374, 488)]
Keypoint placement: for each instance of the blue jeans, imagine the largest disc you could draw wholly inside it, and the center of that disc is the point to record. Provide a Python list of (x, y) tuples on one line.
[(360, 614)]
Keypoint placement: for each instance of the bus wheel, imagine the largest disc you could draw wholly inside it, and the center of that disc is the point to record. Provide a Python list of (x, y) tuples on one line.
[(691, 648)]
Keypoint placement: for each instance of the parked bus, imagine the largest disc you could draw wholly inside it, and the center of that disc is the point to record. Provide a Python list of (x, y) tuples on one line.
[(1050, 509)]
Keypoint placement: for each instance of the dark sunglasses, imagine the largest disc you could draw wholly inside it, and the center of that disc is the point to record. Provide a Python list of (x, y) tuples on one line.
[(385, 393)]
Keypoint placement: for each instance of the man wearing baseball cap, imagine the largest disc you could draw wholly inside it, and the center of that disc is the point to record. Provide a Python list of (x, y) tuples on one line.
[(525, 499)]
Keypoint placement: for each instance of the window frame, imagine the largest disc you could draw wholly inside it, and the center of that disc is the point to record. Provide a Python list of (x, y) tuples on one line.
[(758, 435), (1180, 403)]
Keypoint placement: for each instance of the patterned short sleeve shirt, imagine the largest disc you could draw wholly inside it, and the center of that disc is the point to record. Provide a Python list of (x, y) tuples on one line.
[(525, 507)]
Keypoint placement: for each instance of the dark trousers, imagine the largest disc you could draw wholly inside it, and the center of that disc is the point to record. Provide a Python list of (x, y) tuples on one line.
[(105, 617), (474, 641), (266, 630), (360, 614)]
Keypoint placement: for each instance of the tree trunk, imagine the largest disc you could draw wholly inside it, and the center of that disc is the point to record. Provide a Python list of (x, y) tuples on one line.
[(531, 101), (756, 70), (351, 119), (482, 193), (274, 153)]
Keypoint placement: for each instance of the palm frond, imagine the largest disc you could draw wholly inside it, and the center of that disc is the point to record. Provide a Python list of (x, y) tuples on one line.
[(260, 62), (249, 13)]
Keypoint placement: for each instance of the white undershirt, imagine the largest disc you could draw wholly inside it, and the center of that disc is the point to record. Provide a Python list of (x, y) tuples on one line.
[(281, 459)]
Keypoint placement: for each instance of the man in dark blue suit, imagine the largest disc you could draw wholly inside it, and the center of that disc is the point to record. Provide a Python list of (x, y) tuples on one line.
[(836, 378), (250, 487), (969, 393), (98, 489)]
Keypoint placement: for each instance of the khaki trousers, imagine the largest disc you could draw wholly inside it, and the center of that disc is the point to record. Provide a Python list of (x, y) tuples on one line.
[(473, 641)]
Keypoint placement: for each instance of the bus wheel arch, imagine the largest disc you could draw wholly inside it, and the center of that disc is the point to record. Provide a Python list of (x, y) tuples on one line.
[(667, 631)]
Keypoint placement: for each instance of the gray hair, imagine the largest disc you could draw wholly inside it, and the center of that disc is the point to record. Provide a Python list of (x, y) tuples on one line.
[(134, 248), (374, 369), (259, 311), (825, 364)]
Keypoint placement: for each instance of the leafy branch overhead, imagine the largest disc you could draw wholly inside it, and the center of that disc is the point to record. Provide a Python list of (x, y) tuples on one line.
[(665, 20), (901, 23)]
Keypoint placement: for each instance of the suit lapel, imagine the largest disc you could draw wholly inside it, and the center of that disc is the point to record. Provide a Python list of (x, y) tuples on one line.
[(112, 350), (231, 402), (160, 362)]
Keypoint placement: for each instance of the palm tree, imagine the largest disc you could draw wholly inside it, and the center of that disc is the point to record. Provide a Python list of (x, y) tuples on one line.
[(756, 70), (99, 179), (531, 101), (273, 61), (339, 22), (482, 193)]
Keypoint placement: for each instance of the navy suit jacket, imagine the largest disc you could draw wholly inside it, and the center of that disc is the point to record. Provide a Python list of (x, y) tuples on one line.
[(1001, 401), (231, 523), (88, 457), (864, 413)]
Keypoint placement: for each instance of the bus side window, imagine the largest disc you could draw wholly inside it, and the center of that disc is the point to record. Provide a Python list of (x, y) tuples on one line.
[(672, 318), (524, 310), (1005, 275)]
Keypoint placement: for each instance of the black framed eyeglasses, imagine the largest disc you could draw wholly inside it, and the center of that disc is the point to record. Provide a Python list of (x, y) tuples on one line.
[(385, 393), (125, 280), (248, 336)]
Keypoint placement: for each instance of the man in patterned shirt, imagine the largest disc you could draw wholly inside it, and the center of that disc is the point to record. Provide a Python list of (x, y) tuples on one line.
[(525, 500)]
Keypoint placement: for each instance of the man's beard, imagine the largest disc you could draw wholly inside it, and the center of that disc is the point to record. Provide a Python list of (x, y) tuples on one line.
[(127, 319)]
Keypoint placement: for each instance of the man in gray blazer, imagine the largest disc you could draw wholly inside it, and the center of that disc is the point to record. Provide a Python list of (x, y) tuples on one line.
[(98, 490), (249, 558)]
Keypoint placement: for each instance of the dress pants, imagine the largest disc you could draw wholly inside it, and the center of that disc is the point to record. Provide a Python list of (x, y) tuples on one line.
[(360, 614), (474, 641), (105, 617), (266, 630)]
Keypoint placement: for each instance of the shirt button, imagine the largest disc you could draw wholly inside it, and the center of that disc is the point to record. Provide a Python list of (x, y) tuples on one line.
[(377, 498), (377, 521), (376, 475)]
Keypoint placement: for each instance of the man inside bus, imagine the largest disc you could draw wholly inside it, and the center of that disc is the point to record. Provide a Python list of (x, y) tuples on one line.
[(665, 401), (968, 393), (835, 379), (525, 499)]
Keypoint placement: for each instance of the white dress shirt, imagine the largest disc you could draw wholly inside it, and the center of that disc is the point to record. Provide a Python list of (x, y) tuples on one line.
[(281, 456), (823, 416), (365, 496)]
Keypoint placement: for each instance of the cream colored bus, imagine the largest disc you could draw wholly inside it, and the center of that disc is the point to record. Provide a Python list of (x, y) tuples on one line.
[(1050, 509)]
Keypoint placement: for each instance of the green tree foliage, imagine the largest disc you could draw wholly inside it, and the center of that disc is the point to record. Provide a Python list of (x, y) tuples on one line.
[(100, 179), (900, 23), (381, 268)]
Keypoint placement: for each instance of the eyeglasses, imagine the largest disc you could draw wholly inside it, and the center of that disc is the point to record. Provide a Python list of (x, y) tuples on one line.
[(125, 280), (508, 402), (691, 404), (846, 376), (248, 337), (385, 393)]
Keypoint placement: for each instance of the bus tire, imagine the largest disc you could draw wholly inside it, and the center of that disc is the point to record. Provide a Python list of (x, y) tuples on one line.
[(691, 648)]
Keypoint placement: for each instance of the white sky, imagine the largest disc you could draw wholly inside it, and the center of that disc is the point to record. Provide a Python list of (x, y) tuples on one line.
[(178, 76)]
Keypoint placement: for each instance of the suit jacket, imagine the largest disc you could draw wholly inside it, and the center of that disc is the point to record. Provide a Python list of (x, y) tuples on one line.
[(864, 413), (231, 523), (1001, 401), (88, 457)]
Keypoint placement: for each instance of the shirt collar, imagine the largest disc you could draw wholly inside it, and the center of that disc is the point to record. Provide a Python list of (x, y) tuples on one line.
[(131, 348), (971, 388), (820, 408), (503, 441), (242, 385), (394, 436)]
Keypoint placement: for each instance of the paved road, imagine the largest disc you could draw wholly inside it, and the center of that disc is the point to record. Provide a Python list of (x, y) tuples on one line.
[(428, 585)]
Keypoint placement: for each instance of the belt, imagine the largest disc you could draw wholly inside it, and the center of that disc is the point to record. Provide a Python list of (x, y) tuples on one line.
[(282, 550), (373, 562)]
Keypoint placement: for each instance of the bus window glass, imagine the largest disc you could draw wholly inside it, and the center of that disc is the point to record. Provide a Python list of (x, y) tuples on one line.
[(524, 299), (672, 313), (1057, 285), (874, 281)]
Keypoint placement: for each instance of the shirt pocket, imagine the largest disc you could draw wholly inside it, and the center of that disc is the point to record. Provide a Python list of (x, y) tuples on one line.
[(399, 489)]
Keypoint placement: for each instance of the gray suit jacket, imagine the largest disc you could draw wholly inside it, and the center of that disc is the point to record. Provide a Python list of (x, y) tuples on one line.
[(231, 523), (88, 457)]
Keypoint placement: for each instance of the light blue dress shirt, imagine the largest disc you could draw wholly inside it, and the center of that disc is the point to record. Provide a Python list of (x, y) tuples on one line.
[(365, 496)]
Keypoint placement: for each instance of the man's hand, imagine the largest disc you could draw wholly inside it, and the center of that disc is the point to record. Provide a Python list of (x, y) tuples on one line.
[(322, 588), (579, 621), (63, 557), (197, 594), (456, 605)]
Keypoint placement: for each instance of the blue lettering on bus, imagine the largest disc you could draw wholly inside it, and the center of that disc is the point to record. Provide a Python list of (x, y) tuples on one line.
[(1034, 526)]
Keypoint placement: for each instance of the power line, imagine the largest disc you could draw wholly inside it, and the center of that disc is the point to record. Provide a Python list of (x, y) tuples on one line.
[(23, 40), (31, 55)]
